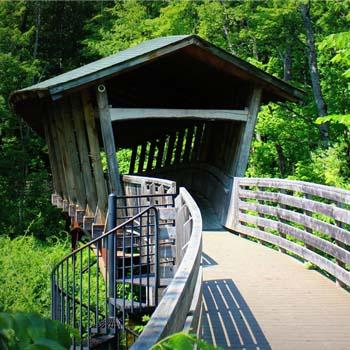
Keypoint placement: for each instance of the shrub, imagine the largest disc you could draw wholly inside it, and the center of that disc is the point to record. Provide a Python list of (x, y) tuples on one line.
[(25, 267)]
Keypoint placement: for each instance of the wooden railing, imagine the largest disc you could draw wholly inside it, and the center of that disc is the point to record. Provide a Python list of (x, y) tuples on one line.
[(180, 306), (306, 219)]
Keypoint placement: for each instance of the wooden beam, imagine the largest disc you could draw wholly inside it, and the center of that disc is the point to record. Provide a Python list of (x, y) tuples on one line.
[(72, 153), (79, 126), (133, 159), (142, 157), (197, 142), (246, 138), (119, 114), (151, 155), (188, 146), (53, 131), (179, 146), (160, 154), (66, 162), (56, 174), (95, 152), (108, 139), (170, 149)]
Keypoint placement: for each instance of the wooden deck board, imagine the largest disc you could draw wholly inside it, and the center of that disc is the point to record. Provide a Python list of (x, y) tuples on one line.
[(258, 298)]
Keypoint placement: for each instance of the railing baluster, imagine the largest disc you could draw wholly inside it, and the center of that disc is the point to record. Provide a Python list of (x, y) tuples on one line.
[(107, 282), (123, 317), (73, 296), (67, 292), (97, 283), (141, 255), (148, 262), (132, 265), (88, 299), (115, 269), (156, 258), (62, 296), (81, 298)]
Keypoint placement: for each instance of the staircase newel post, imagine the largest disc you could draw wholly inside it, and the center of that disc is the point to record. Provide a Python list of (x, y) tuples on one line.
[(111, 224)]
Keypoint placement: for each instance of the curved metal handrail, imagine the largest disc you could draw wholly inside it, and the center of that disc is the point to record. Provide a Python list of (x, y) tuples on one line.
[(95, 302)]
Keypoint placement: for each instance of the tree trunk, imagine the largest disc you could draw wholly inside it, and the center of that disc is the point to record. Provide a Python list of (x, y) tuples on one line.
[(37, 28), (287, 62), (281, 160), (225, 29), (314, 73)]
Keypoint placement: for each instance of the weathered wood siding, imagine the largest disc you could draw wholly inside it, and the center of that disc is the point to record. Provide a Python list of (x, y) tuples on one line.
[(71, 133)]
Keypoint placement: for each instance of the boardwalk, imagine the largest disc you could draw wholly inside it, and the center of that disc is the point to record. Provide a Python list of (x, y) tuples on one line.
[(258, 298)]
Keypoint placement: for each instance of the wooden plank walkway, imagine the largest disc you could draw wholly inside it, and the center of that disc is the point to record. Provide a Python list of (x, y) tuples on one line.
[(258, 298)]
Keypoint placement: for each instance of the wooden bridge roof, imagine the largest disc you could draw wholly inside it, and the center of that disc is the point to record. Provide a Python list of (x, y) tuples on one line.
[(148, 51)]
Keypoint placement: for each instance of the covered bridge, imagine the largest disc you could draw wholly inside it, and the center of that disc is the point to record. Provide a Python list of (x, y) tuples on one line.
[(185, 108), (185, 111)]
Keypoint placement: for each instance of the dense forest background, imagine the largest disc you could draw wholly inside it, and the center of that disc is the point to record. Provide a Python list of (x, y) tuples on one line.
[(304, 43)]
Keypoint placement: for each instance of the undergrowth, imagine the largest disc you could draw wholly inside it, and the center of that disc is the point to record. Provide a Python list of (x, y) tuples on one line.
[(25, 266)]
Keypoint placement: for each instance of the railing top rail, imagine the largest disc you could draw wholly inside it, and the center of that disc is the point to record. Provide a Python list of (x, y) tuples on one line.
[(168, 306), (136, 179), (103, 236), (323, 191)]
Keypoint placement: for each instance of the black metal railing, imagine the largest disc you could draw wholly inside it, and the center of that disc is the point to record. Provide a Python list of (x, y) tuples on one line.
[(95, 287)]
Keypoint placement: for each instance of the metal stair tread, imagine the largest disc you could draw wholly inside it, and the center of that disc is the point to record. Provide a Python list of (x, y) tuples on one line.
[(142, 280), (128, 303)]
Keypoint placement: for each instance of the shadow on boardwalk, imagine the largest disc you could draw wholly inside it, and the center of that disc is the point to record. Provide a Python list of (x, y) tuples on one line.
[(207, 260), (227, 320)]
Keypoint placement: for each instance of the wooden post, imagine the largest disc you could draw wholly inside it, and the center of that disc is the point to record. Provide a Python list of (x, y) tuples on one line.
[(197, 142), (170, 149), (95, 153), (246, 138), (151, 155), (240, 160), (133, 159), (188, 146), (340, 244), (108, 139), (160, 154), (283, 235), (233, 210), (232, 146), (206, 141), (79, 125), (142, 157), (179, 146)]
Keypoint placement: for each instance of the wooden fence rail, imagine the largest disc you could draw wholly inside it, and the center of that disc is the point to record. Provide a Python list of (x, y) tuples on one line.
[(306, 219)]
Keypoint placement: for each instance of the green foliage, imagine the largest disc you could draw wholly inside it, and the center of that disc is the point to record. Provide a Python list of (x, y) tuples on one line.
[(335, 118), (25, 267), (182, 341), (326, 166), (140, 327), (29, 331)]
